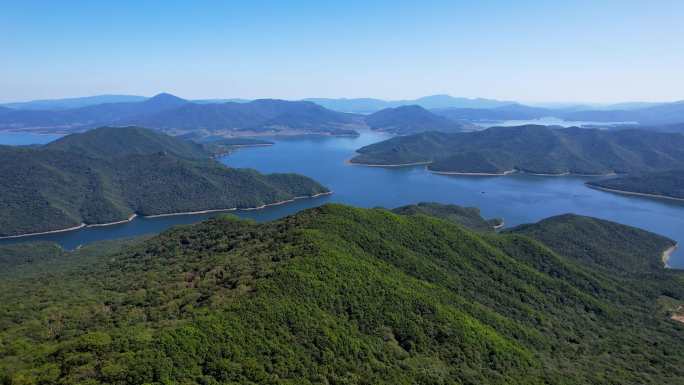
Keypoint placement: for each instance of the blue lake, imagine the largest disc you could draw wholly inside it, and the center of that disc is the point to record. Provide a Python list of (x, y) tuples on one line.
[(516, 198), (24, 138)]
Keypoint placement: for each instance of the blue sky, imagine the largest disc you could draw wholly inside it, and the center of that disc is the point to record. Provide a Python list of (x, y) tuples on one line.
[(592, 51)]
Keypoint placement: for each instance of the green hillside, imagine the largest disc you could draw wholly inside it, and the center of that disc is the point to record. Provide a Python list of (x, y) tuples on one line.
[(44, 189), (666, 184), (467, 216), (613, 246), (533, 149), (337, 295), (113, 142)]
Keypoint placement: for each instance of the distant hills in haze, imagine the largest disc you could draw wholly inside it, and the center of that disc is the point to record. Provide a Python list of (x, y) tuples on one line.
[(660, 114), (257, 115), (168, 112), (311, 116), (67, 103), (369, 105), (410, 120)]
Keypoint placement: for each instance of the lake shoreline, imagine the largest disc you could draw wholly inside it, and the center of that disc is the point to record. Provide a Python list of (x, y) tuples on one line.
[(239, 209), (349, 161), (471, 173), (82, 225), (114, 223), (665, 256), (505, 173), (624, 192), (132, 217)]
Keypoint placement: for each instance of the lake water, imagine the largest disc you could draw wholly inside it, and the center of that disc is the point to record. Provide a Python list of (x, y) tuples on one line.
[(516, 198), (550, 121), (24, 138)]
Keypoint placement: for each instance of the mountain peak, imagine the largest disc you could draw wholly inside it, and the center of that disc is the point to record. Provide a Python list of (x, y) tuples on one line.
[(165, 96)]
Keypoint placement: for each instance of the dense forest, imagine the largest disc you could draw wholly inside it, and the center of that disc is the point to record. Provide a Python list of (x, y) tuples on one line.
[(97, 177), (533, 149), (341, 295), (466, 216), (668, 184)]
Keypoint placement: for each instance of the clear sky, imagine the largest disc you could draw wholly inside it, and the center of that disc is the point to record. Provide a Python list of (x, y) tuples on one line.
[(592, 51)]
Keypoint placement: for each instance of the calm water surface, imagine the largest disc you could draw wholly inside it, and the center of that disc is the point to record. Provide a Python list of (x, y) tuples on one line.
[(24, 138), (517, 198)]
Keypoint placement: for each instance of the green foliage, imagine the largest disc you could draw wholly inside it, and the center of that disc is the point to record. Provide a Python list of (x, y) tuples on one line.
[(467, 216), (666, 183), (335, 295), (613, 246), (535, 149), (61, 186), (114, 142)]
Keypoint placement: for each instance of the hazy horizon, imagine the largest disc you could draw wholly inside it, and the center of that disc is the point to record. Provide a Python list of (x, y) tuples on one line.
[(529, 102), (530, 52)]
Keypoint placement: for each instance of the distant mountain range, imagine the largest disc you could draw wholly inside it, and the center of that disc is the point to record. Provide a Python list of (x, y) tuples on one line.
[(263, 116), (68, 103), (532, 149), (168, 112), (410, 120), (258, 115), (369, 105), (666, 113), (318, 116), (108, 174)]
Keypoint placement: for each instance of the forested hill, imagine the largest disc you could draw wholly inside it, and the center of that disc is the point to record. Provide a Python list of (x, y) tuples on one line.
[(467, 216), (113, 142), (534, 149), (668, 184), (109, 174), (339, 295), (407, 120), (600, 243)]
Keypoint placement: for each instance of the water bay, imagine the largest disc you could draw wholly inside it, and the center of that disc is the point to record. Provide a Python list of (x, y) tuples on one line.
[(516, 198)]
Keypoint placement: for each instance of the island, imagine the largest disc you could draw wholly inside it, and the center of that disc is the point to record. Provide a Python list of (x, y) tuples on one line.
[(663, 185), (531, 149), (339, 292), (111, 174)]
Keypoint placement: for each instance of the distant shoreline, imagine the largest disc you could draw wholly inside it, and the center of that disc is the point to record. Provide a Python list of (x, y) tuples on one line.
[(348, 161), (83, 225), (665, 257), (471, 173), (509, 172), (624, 192), (239, 209), (114, 223)]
